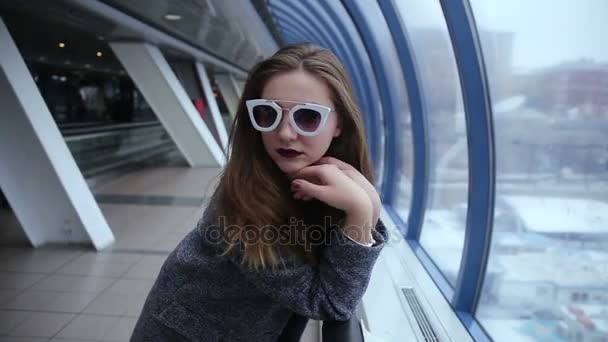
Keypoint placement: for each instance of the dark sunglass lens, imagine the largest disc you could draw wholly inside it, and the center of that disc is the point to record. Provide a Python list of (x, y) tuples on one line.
[(307, 120), (264, 115)]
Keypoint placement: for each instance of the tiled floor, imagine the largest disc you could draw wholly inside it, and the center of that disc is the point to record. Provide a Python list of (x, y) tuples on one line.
[(63, 293)]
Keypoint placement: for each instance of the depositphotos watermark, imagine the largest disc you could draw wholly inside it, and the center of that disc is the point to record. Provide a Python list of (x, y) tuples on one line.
[(296, 233)]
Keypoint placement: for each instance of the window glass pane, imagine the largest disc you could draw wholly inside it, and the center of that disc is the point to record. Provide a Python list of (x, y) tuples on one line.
[(107, 124), (216, 26), (405, 162), (220, 99), (445, 218), (379, 171), (547, 277), (188, 77)]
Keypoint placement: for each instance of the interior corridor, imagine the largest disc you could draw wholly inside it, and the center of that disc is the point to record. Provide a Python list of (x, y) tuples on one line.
[(72, 293)]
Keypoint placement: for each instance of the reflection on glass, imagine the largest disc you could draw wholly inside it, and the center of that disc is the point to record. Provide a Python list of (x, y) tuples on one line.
[(186, 73), (215, 26), (547, 276), (107, 124), (445, 218)]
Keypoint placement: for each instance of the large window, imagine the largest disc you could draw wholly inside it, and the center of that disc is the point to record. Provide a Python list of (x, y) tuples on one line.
[(80, 79), (221, 101), (187, 74), (106, 122), (547, 277), (445, 217)]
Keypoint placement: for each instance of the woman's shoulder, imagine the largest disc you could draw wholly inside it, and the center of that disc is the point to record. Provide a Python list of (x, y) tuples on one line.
[(201, 243)]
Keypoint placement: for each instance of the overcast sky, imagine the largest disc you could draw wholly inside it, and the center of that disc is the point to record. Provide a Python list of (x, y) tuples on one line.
[(547, 32)]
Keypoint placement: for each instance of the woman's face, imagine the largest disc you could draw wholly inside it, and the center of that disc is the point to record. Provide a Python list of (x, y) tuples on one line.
[(289, 150)]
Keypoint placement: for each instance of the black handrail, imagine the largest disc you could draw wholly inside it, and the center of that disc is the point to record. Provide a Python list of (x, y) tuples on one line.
[(332, 331), (342, 331), (68, 132)]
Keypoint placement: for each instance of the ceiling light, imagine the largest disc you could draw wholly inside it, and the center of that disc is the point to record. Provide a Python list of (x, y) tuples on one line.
[(173, 17), (62, 45), (99, 54)]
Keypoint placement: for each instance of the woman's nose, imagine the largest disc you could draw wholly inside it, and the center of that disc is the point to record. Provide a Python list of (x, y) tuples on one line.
[(285, 131)]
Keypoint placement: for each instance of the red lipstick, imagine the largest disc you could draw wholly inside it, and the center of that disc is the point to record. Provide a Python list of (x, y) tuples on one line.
[(288, 153)]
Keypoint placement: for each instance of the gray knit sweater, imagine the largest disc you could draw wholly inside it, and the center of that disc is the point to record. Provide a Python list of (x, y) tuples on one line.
[(200, 295)]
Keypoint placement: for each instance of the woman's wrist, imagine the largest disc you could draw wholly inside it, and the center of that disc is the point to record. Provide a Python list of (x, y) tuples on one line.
[(358, 224)]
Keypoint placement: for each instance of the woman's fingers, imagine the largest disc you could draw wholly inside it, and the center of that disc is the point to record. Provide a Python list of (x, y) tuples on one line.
[(331, 185), (358, 178), (351, 172), (348, 170), (305, 189), (334, 161), (319, 174), (361, 180)]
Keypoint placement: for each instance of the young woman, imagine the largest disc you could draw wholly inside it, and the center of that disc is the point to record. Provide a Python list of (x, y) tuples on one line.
[(292, 230)]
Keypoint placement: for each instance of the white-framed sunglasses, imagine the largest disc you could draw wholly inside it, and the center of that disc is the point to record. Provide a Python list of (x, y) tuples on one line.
[(306, 118)]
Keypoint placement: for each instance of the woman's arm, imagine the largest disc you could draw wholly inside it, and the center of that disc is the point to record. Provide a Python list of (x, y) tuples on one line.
[(358, 227), (341, 186), (330, 290)]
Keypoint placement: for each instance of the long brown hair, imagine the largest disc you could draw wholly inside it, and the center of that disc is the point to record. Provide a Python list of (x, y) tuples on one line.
[(253, 194)]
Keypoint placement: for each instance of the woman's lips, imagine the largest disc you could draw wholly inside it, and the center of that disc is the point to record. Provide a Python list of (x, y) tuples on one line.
[(288, 153)]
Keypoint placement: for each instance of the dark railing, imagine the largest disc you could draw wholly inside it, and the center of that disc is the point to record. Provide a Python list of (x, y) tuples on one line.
[(106, 149), (333, 331), (90, 128), (342, 331)]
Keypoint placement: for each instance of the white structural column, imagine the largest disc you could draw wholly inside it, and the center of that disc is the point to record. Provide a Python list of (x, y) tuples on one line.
[(213, 108), (162, 90), (38, 174), (229, 92), (238, 86)]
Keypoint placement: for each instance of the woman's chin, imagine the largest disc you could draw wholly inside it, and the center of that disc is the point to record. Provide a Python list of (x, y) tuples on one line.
[(290, 171), (291, 167)]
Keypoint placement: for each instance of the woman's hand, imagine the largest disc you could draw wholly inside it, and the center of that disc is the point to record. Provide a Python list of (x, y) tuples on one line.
[(329, 184), (355, 176)]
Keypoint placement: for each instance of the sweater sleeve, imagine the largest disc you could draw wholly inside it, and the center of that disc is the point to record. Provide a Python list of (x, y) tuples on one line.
[(330, 290)]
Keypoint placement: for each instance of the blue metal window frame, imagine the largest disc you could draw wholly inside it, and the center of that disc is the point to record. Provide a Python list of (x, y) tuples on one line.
[(420, 181), (325, 25), (328, 39), (418, 116), (469, 59), (482, 172), (363, 82), (363, 13), (348, 30), (292, 37), (283, 15), (478, 113), (285, 34)]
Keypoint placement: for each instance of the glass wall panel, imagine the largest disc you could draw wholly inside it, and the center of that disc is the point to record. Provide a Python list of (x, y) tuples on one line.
[(107, 124), (445, 217), (186, 73), (221, 99), (379, 170), (547, 66), (405, 145), (214, 26)]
